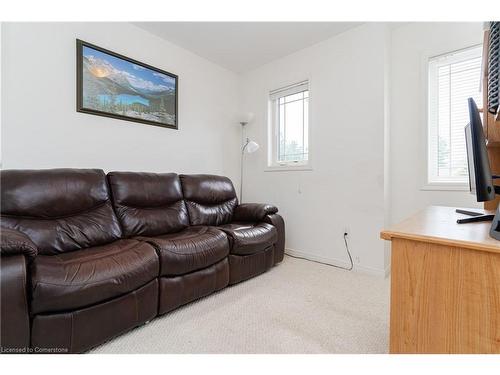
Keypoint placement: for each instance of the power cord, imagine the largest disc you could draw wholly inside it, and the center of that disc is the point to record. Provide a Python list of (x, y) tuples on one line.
[(332, 265)]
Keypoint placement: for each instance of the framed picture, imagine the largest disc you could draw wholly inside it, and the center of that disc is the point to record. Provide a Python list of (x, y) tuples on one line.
[(112, 85)]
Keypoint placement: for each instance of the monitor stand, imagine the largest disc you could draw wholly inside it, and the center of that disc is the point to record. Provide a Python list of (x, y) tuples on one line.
[(478, 216), (495, 226), (475, 217)]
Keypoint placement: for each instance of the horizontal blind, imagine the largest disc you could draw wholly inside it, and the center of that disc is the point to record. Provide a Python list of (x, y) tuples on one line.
[(453, 79), (494, 67)]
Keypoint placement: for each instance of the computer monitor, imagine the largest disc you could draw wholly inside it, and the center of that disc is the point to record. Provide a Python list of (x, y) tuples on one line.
[(480, 179)]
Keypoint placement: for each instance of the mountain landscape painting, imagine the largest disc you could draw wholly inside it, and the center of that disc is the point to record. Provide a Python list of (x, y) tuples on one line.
[(116, 86)]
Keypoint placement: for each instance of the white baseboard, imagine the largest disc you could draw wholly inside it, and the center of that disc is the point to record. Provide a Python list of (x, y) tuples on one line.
[(387, 270), (338, 262)]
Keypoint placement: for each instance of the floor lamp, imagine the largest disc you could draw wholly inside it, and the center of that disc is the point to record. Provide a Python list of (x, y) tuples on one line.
[(248, 147)]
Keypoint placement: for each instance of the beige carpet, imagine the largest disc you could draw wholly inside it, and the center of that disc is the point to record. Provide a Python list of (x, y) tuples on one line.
[(296, 307)]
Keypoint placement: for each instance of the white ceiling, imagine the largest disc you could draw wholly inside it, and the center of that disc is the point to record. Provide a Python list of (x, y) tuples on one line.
[(243, 46)]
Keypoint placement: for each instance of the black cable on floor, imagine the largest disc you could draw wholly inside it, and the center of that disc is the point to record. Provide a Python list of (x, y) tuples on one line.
[(329, 264)]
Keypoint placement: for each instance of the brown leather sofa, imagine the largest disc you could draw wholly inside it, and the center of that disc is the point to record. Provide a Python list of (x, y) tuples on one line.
[(86, 257)]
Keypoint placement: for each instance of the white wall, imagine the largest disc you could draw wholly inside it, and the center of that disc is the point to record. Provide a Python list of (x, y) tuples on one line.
[(368, 137), (367, 124), (345, 189), (412, 44), (41, 128)]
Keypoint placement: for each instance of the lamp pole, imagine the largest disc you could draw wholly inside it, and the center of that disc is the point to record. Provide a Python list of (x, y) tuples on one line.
[(243, 124)]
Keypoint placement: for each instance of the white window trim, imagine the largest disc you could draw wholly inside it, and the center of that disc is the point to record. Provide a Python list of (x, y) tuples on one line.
[(288, 168), (424, 119), (445, 186), (272, 139)]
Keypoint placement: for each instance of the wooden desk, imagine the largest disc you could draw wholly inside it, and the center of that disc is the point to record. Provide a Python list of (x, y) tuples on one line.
[(445, 285)]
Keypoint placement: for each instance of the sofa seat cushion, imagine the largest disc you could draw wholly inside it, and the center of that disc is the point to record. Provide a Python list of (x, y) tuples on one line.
[(191, 249), (250, 238), (86, 277)]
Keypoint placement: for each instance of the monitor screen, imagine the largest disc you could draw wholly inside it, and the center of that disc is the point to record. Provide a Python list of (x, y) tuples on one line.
[(470, 159), (480, 179)]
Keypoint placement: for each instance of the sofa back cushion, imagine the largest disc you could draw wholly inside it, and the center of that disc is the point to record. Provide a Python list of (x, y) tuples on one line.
[(148, 204), (210, 199), (59, 209)]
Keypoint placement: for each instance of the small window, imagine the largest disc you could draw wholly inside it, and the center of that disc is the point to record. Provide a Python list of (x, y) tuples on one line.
[(453, 78), (289, 126)]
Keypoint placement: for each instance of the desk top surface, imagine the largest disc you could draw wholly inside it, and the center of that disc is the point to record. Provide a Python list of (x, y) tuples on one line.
[(438, 224)]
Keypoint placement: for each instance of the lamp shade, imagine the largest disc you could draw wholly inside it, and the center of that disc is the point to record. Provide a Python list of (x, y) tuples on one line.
[(252, 147), (247, 117)]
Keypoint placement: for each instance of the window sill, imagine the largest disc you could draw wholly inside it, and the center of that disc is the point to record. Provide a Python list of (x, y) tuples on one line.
[(450, 186), (288, 168)]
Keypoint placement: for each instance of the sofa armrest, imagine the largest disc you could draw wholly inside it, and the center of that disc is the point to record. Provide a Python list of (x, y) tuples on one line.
[(253, 211), (13, 242), (279, 248), (14, 311)]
